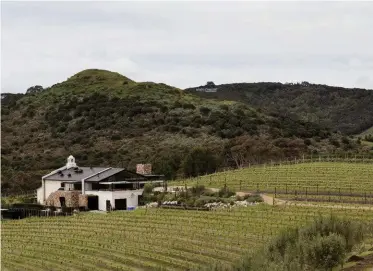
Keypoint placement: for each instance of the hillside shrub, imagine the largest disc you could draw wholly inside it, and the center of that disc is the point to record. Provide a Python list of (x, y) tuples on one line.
[(204, 110), (326, 252), (322, 245)]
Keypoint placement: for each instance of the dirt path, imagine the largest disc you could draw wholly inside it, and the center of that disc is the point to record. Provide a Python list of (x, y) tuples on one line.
[(364, 265), (269, 200)]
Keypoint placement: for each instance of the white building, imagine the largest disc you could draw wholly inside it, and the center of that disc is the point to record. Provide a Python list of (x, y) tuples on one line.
[(103, 188)]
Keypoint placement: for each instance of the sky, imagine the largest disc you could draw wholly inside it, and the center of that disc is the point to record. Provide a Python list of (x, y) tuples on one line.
[(186, 44)]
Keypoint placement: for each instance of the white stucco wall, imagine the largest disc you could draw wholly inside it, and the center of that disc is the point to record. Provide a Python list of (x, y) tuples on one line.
[(130, 195), (46, 189), (39, 195), (103, 196)]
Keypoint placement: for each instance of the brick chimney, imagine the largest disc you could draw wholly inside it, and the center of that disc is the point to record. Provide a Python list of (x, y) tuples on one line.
[(144, 169)]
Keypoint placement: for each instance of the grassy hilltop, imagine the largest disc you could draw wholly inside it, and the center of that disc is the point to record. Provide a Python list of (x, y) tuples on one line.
[(104, 118)]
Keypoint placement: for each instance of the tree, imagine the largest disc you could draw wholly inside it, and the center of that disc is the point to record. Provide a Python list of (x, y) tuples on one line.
[(34, 89), (199, 161), (167, 164)]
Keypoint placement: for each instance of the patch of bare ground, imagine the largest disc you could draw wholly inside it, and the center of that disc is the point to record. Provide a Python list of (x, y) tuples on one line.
[(362, 265)]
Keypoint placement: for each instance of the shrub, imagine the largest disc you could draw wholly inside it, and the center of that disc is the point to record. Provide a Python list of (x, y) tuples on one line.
[(326, 252), (204, 110), (148, 188), (253, 198), (197, 190), (225, 192), (320, 246)]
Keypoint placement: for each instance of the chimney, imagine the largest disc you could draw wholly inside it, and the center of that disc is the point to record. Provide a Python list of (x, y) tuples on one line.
[(144, 169)]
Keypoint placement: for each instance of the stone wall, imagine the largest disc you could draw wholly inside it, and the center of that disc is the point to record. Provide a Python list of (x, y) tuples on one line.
[(72, 199)]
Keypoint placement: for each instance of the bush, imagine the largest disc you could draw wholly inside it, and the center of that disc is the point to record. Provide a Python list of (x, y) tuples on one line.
[(225, 192), (204, 110), (197, 190), (253, 198), (326, 252), (319, 246), (148, 188)]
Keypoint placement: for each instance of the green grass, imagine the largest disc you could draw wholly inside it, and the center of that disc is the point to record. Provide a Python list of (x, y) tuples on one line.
[(147, 240), (316, 177)]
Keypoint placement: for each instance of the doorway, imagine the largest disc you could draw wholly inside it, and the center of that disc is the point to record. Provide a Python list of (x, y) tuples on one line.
[(121, 204), (93, 202), (108, 206), (62, 202)]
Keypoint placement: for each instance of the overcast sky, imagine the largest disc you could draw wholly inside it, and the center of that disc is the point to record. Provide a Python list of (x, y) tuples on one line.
[(185, 44)]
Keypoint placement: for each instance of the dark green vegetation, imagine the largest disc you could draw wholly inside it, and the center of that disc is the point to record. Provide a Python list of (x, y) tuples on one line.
[(349, 111), (106, 119), (322, 245)]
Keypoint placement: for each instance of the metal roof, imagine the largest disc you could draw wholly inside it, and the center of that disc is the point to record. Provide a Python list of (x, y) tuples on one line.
[(103, 175), (94, 174), (87, 171)]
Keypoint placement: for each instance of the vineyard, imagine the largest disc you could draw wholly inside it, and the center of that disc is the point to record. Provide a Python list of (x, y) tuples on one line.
[(167, 239), (148, 239), (350, 182)]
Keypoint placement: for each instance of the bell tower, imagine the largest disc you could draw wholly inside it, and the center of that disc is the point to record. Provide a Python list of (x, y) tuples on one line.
[(70, 162)]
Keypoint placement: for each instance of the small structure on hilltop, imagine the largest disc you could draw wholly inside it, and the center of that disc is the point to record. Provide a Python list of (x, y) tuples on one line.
[(209, 87), (95, 188)]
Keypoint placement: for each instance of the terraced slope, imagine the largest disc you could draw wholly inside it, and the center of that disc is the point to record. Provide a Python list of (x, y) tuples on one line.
[(149, 239), (321, 178)]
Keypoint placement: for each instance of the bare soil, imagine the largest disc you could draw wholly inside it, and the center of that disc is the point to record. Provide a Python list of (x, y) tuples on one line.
[(363, 265)]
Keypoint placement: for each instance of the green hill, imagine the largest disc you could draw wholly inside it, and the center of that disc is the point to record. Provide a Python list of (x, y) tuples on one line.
[(104, 118), (349, 111)]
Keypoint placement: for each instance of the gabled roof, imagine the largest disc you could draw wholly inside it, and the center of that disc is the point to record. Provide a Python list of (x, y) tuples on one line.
[(94, 174), (75, 176)]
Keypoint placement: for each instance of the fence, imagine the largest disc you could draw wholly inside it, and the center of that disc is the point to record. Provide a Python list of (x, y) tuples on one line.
[(352, 158), (20, 213)]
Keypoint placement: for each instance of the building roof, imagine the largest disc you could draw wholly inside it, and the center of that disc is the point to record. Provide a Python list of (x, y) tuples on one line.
[(72, 173), (86, 173), (94, 174), (105, 174)]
